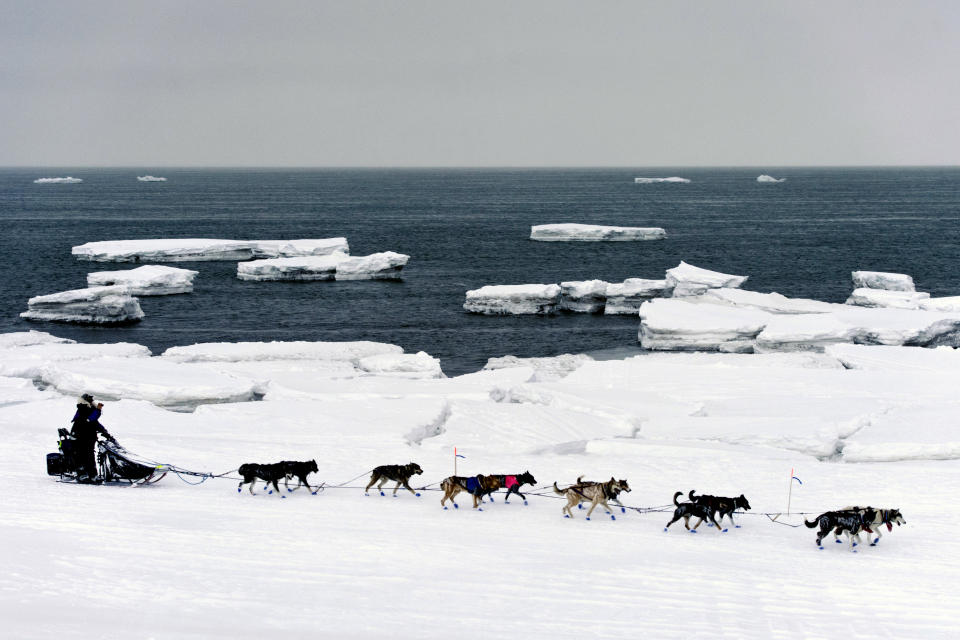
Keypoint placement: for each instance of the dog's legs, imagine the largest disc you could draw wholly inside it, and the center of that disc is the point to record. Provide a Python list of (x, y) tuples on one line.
[(879, 533), (676, 517), (571, 501), (240, 487), (406, 485), (276, 487), (252, 482), (373, 478), (593, 506)]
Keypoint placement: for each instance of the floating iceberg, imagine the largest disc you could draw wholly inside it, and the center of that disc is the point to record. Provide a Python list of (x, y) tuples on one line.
[(688, 280), (586, 297), (593, 233), (298, 350), (94, 305), (67, 180), (302, 268), (148, 280), (882, 280), (887, 298), (195, 249), (514, 299), (654, 180), (377, 266), (151, 179), (766, 178), (406, 365), (625, 298)]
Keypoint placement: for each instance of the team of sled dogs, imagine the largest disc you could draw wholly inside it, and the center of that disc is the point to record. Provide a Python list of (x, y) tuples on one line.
[(850, 521)]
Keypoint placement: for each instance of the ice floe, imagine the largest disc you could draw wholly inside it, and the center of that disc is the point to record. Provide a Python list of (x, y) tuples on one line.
[(196, 249), (770, 302), (625, 298), (28, 338), (570, 232), (671, 324), (66, 180), (378, 266), (148, 280), (514, 299), (769, 179), (94, 305), (950, 304), (697, 324), (546, 368), (295, 350), (301, 268), (882, 280), (162, 382), (688, 280), (586, 297), (28, 361), (407, 365), (151, 179), (865, 297), (655, 180)]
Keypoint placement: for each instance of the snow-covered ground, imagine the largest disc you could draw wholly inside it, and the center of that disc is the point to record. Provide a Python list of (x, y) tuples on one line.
[(185, 561)]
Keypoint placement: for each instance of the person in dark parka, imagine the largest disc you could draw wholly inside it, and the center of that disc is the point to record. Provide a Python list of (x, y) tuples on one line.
[(86, 427)]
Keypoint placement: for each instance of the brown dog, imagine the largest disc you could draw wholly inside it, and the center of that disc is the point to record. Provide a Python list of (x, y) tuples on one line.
[(593, 492), (477, 486)]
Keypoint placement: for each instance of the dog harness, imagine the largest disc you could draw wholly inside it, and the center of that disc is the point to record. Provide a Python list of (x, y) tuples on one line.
[(473, 485), (510, 481)]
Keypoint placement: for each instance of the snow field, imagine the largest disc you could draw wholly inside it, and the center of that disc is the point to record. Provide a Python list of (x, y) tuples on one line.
[(206, 561)]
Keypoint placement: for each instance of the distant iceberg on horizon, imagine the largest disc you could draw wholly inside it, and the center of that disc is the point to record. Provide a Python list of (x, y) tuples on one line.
[(766, 178), (654, 180), (67, 180), (151, 179)]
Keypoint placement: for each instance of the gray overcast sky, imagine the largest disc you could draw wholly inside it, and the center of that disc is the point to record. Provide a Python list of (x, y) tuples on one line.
[(448, 83)]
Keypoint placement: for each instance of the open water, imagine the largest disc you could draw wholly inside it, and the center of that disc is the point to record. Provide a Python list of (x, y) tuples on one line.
[(463, 229)]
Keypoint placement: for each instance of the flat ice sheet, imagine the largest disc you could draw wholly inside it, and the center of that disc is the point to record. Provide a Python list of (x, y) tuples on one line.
[(197, 249)]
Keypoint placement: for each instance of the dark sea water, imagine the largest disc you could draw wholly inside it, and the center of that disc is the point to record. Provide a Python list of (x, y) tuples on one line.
[(463, 229)]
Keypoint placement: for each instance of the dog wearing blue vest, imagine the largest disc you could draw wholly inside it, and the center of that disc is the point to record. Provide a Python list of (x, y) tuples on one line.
[(477, 486)]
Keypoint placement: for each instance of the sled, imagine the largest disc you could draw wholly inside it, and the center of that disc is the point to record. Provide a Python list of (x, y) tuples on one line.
[(114, 464)]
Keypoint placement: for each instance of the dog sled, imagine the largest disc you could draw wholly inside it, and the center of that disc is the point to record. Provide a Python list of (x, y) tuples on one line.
[(114, 464)]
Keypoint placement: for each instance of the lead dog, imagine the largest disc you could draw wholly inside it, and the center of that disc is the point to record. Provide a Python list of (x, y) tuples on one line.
[(477, 486), (513, 483), (687, 510), (850, 523), (399, 473), (876, 519), (722, 505), (593, 492)]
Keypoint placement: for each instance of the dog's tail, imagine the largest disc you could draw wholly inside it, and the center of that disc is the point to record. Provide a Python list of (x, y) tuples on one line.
[(557, 489), (811, 525), (244, 469), (678, 493), (690, 495)]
